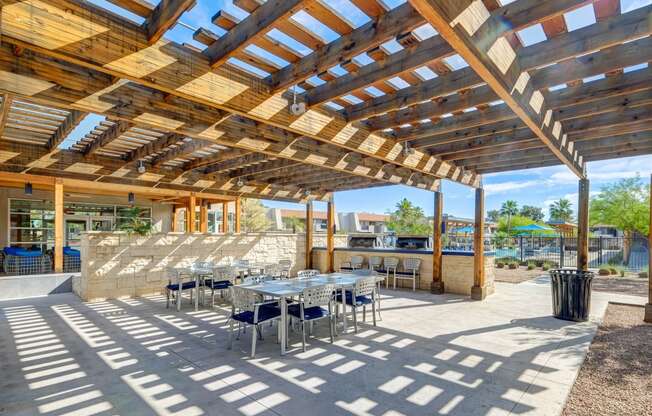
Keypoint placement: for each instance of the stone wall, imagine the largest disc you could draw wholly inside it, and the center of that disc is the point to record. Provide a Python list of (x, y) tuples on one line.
[(457, 270), (117, 264)]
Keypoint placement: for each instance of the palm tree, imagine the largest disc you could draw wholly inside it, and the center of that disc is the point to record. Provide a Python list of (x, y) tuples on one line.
[(561, 210), (509, 208)]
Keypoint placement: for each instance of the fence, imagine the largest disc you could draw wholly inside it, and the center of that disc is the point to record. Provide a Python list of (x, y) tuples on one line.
[(562, 251)]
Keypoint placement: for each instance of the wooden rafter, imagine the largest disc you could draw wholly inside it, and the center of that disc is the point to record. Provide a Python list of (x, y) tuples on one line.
[(190, 78), (116, 130), (158, 145), (164, 16), (185, 149), (7, 99), (492, 57), (69, 123), (268, 166), (259, 22)]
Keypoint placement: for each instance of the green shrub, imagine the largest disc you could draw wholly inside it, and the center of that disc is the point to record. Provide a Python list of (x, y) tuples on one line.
[(539, 263), (500, 264), (531, 265), (613, 270), (506, 260), (604, 272), (622, 272), (522, 263), (513, 265)]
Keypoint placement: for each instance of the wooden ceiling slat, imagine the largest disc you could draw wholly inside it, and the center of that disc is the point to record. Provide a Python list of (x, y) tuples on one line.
[(112, 133), (164, 16)]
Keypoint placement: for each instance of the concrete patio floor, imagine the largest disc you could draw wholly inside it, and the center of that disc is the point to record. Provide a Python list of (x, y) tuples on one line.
[(428, 355)]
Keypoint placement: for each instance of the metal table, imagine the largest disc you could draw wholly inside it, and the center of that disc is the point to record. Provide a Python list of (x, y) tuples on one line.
[(283, 289)]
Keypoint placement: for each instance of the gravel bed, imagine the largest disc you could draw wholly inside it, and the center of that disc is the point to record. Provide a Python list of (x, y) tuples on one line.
[(616, 377)]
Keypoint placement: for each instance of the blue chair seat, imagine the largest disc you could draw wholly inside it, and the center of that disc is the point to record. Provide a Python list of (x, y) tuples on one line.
[(184, 286), (359, 300), (219, 284), (314, 312), (381, 270), (404, 273), (346, 268), (265, 312)]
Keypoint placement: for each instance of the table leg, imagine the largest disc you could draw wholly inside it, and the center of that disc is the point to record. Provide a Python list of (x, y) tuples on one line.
[(343, 310), (179, 296), (283, 324)]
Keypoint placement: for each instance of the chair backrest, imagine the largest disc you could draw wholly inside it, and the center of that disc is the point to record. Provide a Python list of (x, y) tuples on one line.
[(318, 295), (302, 274), (175, 275), (242, 263), (357, 260), (203, 265), (390, 262), (375, 261), (412, 264), (365, 286), (259, 278), (243, 299), (221, 273)]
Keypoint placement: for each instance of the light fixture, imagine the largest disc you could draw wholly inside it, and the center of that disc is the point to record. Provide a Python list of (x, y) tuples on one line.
[(131, 198), (240, 183), (407, 150), (28, 188), (141, 167), (307, 192)]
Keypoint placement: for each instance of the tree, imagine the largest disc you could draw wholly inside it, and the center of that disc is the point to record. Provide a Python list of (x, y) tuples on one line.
[(294, 224), (493, 215), (254, 216), (408, 219), (509, 209), (561, 211), (536, 213), (623, 204)]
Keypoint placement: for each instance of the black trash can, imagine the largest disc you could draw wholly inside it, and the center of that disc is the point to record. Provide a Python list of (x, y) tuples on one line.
[(571, 294)]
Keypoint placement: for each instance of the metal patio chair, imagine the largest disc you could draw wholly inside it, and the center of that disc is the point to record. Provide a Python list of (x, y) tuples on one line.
[(248, 308), (310, 309), (363, 294), (410, 271), (176, 286)]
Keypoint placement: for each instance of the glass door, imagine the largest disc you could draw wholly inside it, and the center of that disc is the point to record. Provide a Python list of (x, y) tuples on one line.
[(101, 224), (74, 228)]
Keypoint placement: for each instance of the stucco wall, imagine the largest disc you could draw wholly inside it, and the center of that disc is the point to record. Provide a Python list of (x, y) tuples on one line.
[(117, 264), (457, 270)]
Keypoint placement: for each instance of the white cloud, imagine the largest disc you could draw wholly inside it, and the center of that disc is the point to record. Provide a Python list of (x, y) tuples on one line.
[(498, 188)]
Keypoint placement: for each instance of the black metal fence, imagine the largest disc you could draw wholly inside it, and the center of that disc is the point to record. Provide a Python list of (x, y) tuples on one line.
[(629, 253)]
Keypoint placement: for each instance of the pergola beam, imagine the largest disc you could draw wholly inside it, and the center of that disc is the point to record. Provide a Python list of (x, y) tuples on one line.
[(495, 61), (7, 99), (69, 123), (185, 149), (107, 136), (259, 22), (164, 17)]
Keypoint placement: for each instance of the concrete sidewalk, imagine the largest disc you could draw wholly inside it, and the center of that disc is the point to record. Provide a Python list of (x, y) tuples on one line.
[(428, 355)]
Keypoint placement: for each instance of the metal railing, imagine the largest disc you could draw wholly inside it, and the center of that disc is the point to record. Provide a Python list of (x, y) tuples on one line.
[(629, 253)]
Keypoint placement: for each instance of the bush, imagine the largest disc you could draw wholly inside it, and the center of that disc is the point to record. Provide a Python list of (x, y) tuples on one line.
[(513, 265), (522, 263), (604, 272), (622, 272), (506, 260), (531, 265), (548, 265), (539, 263), (500, 264), (642, 275)]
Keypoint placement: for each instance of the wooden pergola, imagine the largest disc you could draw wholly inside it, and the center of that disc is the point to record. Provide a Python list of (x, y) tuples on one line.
[(217, 121)]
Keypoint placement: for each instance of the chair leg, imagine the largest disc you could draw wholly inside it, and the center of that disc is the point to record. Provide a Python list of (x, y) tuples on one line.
[(231, 333), (355, 318), (303, 335), (364, 313), (331, 325), (373, 311), (253, 342), (167, 298)]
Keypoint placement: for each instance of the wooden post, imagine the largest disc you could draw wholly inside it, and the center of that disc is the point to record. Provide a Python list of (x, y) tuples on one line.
[(225, 217), (437, 285), (648, 306), (192, 205), (330, 235), (309, 221), (583, 225), (238, 208), (58, 225), (187, 217), (175, 216), (203, 217), (479, 290)]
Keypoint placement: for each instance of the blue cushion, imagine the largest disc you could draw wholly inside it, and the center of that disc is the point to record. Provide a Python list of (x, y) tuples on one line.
[(71, 252), (219, 284), (313, 312), (21, 252), (404, 273), (359, 300), (265, 312), (185, 285)]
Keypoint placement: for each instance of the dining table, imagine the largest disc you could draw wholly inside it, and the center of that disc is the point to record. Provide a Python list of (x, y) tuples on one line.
[(288, 288)]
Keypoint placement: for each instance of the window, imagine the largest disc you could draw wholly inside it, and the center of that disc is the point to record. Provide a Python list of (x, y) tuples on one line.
[(31, 224)]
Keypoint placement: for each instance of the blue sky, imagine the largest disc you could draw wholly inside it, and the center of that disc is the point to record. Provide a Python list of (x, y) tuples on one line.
[(538, 187)]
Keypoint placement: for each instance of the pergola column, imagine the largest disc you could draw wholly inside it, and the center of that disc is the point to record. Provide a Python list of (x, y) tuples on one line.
[(58, 225), (309, 221), (583, 225), (175, 216), (479, 289), (437, 285), (225, 217), (330, 234), (203, 216), (192, 204), (648, 306), (238, 208)]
